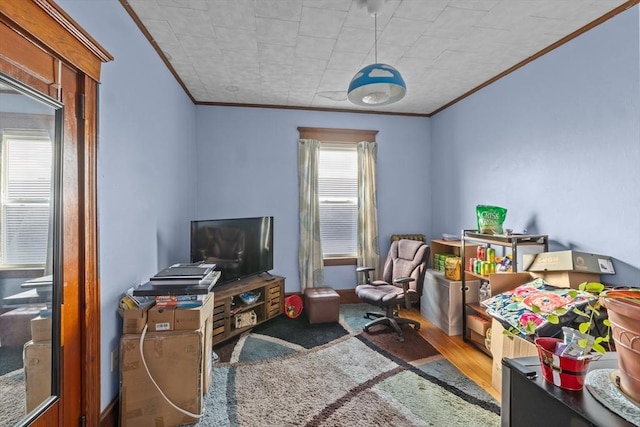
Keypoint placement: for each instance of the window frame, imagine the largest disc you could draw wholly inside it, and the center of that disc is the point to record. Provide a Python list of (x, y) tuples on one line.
[(338, 136)]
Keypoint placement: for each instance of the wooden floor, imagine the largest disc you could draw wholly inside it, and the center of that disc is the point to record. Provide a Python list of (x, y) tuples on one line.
[(467, 358)]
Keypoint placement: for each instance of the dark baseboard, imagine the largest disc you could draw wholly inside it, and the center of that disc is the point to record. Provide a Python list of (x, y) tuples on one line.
[(109, 418)]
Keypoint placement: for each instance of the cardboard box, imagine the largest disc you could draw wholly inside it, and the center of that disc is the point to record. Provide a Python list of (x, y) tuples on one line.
[(503, 346), (175, 361), (569, 261), (478, 324), (502, 282), (15, 325), (133, 319), (193, 318), (441, 301), (160, 319), (37, 373), (567, 279), (179, 319), (41, 329), (478, 338)]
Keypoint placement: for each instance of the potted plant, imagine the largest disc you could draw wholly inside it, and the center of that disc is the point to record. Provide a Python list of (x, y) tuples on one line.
[(622, 326), (623, 308)]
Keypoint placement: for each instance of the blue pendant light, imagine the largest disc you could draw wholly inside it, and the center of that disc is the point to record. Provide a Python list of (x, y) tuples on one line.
[(376, 84)]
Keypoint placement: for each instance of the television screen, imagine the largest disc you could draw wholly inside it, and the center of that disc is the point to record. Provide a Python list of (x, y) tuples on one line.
[(239, 247)]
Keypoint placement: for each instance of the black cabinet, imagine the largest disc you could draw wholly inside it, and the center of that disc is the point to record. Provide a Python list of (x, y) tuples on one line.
[(528, 400)]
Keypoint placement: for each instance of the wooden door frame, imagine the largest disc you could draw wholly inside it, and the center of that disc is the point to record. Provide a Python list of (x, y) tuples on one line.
[(54, 55)]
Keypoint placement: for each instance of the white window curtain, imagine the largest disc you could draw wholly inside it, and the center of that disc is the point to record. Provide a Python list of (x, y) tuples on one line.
[(310, 261), (367, 240)]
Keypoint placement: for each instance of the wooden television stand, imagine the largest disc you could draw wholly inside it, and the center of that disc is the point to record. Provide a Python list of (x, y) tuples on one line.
[(227, 304)]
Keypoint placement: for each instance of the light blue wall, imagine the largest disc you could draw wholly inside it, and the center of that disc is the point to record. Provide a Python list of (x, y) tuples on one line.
[(557, 143), (146, 160), (247, 166)]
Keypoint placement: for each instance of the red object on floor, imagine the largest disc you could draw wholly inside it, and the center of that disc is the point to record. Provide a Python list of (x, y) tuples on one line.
[(293, 306)]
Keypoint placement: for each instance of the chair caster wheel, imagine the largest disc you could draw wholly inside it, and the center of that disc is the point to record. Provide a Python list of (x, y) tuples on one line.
[(401, 339)]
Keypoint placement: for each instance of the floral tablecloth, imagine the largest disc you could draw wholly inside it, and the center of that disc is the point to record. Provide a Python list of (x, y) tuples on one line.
[(513, 308)]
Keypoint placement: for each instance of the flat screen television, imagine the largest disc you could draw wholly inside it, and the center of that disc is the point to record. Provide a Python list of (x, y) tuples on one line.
[(240, 247)]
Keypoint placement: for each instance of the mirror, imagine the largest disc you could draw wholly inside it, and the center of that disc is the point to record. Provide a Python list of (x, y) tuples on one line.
[(30, 146)]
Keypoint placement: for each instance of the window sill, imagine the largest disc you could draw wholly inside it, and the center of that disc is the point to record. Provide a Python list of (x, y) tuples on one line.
[(20, 273), (328, 262)]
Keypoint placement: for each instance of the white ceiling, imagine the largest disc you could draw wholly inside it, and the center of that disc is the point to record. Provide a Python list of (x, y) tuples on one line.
[(303, 53)]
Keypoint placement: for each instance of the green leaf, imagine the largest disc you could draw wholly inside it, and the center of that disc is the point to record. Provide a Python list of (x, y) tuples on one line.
[(560, 311), (606, 322), (584, 328), (552, 318), (535, 308), (594, 288), (573, 293), (579, 312), (583, 342), (530, 328), (600, 349)]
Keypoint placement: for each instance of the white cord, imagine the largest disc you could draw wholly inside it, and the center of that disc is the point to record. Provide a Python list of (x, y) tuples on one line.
[(146, 368)]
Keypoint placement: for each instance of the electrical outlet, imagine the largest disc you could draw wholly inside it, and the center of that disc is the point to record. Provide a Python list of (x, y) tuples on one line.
[(114, 360)]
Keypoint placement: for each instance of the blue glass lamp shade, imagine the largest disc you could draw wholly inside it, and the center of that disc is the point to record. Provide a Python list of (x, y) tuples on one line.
[(376, 84)]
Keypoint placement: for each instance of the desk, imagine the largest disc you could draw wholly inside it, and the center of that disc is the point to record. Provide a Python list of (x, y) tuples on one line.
[(528, 400)]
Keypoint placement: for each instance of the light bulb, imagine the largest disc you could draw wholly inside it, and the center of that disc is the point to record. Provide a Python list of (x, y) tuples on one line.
[(375, 98)]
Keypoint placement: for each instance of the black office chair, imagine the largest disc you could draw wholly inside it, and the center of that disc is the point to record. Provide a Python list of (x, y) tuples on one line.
[(402, 281)]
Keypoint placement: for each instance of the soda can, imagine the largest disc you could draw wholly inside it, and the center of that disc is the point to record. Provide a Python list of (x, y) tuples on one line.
[(472, 265), (481, 253), (486, 269), (491, 255), (477, 267)]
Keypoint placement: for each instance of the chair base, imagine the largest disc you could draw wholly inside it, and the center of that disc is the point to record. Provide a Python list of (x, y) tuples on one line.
[(390, 319)]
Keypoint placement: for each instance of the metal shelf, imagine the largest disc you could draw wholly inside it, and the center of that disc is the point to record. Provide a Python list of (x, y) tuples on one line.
[(511, 241)]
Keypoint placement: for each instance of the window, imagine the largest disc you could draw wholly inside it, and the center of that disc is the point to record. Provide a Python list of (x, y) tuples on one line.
[(25, 199), (338, 193)]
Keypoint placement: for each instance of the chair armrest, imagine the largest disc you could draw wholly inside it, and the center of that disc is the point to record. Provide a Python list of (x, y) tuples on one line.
[(365, 270), (404, 281)]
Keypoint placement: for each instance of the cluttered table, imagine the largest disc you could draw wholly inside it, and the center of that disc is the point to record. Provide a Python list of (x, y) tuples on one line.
[(529, 400)]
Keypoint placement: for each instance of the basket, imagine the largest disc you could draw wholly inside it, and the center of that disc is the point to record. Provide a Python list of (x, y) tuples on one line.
[(243, 320), (293, 306), (565, 372)]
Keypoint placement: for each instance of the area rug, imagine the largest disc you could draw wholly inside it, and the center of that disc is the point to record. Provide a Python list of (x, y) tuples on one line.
[(12, 397), (289, 373)]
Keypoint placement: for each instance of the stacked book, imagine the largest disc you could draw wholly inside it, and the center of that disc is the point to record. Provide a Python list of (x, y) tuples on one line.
[(180, 301), (184, 276)]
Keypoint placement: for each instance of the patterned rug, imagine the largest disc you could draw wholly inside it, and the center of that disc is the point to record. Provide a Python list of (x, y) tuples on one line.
[(289, 373), (12, 397)]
